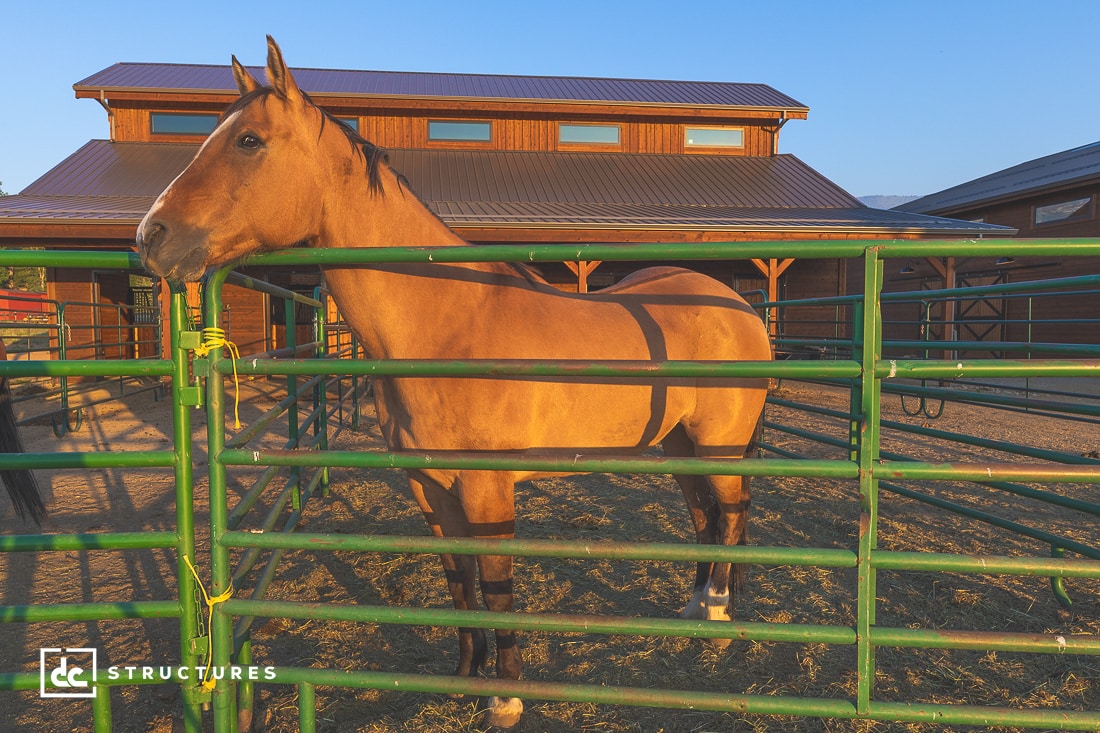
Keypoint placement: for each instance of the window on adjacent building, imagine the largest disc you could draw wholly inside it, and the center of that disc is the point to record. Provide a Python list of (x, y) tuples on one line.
[(714, 137), (455, 131), (1063, 210), (175, 123), (588, 134), (352, 122)]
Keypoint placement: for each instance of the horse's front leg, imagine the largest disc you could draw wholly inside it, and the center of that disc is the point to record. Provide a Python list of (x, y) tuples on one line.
[(488, 501), (446, 518)]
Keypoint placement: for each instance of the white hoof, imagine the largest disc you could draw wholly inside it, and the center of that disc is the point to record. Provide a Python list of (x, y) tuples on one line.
[(696, 607), (717, 609), (503, 712)]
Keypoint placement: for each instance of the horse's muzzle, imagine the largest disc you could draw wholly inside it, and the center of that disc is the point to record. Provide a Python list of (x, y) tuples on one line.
[(162, 256)]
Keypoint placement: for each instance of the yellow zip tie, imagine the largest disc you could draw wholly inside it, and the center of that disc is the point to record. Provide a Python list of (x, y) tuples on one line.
[(212, 338), (207, 683)]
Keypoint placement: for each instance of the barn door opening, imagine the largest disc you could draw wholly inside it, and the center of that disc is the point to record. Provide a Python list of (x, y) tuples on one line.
[(982, 318)]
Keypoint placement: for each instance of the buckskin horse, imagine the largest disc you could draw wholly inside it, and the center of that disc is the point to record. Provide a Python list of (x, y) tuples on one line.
[(278, 172)]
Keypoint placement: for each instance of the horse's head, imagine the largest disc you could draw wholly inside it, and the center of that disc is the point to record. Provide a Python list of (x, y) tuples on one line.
[(255, 184)]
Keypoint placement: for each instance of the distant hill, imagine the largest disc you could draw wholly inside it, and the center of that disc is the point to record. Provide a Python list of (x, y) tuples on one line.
[(886, 202)]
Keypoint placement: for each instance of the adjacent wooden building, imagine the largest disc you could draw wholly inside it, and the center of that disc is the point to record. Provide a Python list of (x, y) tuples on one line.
[(1054, 196), (499, 158)]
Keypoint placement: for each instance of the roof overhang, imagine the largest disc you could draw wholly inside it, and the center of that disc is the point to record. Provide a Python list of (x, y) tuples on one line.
[(104, 190)]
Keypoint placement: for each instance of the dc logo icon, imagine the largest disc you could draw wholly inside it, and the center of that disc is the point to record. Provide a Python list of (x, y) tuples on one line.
[(69, 672)]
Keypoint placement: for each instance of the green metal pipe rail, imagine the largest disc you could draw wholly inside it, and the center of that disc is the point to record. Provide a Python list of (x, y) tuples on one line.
[(863, 463), (67, 416)]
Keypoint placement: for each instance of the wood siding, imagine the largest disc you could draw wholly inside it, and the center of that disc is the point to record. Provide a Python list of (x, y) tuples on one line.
[(395, 128)]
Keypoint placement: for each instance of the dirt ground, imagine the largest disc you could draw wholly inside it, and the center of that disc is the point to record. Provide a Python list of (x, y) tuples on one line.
[(792, 512)]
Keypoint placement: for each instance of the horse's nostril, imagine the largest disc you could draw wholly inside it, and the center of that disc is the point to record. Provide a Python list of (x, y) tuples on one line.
[(153, 234)]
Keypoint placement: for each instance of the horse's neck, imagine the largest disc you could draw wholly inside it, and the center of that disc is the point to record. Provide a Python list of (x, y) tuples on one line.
[(396, 310)]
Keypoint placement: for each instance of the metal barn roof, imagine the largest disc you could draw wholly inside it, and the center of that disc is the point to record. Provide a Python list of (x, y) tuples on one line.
[(1058, 170), (105, 181), (403, 84)]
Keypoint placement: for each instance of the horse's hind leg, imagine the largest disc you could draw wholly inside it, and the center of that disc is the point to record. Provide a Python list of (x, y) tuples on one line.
[(719, 508), (488, 500), (703, 511), (726, 579)]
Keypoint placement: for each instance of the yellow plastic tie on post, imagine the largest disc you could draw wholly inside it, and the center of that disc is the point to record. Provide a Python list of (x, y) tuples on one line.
[(208, 684), (212, 338)]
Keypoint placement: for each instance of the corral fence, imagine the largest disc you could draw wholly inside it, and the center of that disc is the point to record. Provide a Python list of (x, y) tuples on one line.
[(202, 374), (37, 328)]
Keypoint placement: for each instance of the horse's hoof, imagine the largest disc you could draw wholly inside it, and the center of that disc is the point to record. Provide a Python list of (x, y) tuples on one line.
[(717, 609), (502, 713), (695, 608)]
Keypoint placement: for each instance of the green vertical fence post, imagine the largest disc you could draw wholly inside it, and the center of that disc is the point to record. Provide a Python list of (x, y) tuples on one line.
[(290, 308), (307, 708), (855, 393), (221, 570), (871, 337), (101, 710), (320, 391), (184, 397)]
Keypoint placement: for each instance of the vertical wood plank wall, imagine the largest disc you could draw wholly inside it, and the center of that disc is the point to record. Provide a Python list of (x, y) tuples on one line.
[(515, 131)]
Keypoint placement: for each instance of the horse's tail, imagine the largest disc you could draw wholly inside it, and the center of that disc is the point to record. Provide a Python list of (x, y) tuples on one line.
[(21, 484)]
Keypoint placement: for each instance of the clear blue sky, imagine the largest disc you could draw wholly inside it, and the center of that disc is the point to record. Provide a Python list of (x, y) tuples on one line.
[(904, 97)]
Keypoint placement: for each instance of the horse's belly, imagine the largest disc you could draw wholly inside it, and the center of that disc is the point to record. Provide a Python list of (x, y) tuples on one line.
[(521, 415)]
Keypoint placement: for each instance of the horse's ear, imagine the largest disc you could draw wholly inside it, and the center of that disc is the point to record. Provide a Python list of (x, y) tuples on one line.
[(245, 81), (278, 75)]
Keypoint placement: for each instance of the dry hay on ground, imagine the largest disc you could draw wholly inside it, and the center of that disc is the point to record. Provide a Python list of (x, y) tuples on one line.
[(796, 512)]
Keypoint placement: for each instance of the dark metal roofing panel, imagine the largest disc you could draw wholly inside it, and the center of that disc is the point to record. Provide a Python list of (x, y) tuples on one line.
[(116, 209), (118, 182), (602, 178), (102, 168), (697, 218), (202, 78), (1060, 169)]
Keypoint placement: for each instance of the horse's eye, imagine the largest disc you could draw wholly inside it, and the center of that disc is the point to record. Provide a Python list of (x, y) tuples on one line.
[(249, 141)]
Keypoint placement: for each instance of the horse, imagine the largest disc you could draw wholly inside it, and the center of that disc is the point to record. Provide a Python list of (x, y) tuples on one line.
[(20, 483), (278, 171)]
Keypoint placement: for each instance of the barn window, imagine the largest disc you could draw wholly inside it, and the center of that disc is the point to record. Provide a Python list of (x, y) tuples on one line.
[(352, 122), (588, 134), (172, 123), (1076, 209), (714, 137), (460, 131)]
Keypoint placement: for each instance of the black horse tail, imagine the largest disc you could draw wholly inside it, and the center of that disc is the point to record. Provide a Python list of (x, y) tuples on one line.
[(21, 484)]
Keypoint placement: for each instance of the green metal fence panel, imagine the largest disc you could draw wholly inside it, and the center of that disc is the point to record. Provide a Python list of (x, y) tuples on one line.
[(870, 375), (863, 462)]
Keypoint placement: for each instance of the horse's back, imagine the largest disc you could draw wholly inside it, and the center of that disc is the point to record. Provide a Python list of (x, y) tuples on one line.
[(713, 319)]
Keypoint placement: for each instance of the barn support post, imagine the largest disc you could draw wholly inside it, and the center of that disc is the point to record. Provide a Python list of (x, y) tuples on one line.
[(582, 269), (772, 268)]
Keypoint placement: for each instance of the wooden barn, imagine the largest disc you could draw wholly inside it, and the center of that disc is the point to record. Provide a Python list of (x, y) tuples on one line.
[(1054, 196), (515, 159)]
